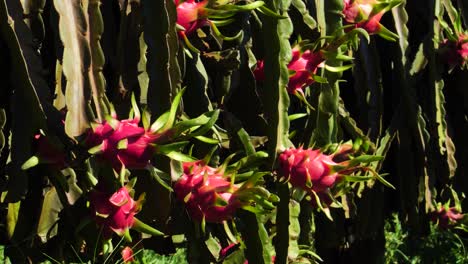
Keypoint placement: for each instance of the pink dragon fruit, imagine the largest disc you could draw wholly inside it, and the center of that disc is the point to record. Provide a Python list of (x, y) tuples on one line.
[(455, 53), (446, 217), (366, 14), (114, 212), (308, 169), (303, 64), (127, 255), (207, 193), (191, 15), (123, 143)]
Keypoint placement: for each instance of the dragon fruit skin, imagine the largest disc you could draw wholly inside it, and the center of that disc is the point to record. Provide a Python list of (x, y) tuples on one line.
[(191, 15), (114, 212), (303, 64), (446, 217), (306, 166), (206, 186), (359, 13), (127, 255), (138, 150)]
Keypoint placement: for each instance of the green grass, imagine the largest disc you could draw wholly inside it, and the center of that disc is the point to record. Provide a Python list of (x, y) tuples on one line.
[(440, 246)]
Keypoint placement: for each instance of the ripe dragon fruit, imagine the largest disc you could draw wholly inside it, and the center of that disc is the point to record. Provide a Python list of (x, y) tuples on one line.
[(455, 52), (446, 217), (366, 14), (207, 193), (308, 169), (114, 212), (123, 143), (303, 64), (127, 255), (191, 15)]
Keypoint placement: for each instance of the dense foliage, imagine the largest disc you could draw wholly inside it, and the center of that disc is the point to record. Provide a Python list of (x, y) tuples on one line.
[(226, 131)]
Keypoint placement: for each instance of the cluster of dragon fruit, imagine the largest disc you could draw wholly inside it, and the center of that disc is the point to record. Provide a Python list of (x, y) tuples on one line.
[(213, 193)]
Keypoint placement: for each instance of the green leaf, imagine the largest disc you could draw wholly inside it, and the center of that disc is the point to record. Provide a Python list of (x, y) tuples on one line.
[(204, 123), (387, 34), (297, 116), (364, 159), (179, 156), (213, 117), (245, 7), (249, 160), (207, 140), (159, 123), (172, 112), (338, 68), (352, 178), (157, 174), (176, 146), (384, 182), (144, 228)]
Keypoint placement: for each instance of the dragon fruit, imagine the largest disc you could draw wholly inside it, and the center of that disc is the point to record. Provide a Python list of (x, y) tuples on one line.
[(127, 255), (207, 193), (123, 143), (114, 212), (308, 169), (303, 64), (455, 53), (446, 217), (366, 14), (191, 15)]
